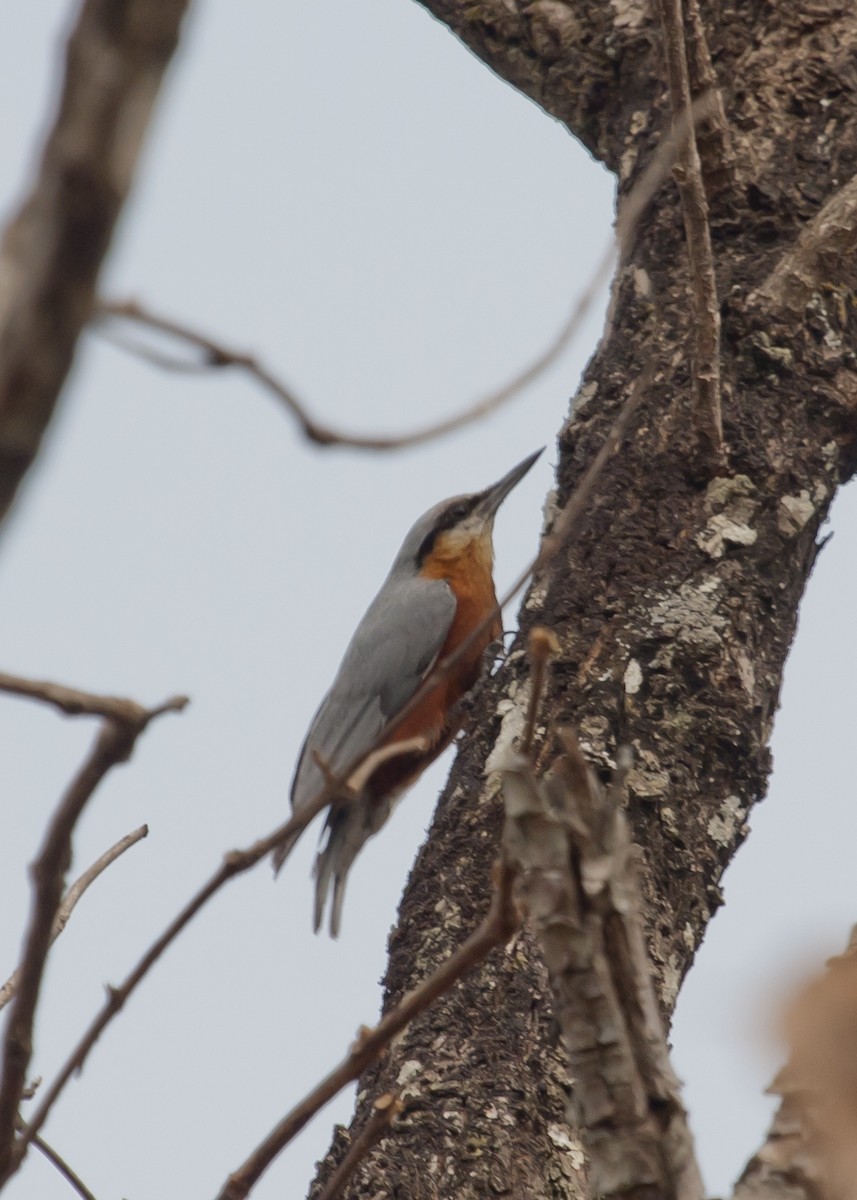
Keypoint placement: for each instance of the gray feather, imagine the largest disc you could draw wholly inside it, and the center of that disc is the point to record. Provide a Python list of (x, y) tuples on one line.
[(393, 647)]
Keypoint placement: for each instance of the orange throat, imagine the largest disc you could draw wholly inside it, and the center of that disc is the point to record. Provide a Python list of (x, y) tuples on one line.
[(467, 569)]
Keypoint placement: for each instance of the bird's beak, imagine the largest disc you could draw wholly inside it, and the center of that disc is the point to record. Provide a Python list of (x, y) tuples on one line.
[(493, 497)]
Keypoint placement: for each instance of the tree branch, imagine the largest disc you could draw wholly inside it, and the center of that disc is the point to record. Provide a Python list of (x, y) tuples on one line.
[(53, 249), (76, 703), (74, 893), (384, 1111), (114, 744), (216, 355), (498, 925), (708, 422), (61, 1165)]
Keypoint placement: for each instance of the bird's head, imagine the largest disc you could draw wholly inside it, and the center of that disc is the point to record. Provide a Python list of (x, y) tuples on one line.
[(460, 527)]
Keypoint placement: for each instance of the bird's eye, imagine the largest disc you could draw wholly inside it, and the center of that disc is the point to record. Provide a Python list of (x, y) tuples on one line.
[(459, 512)]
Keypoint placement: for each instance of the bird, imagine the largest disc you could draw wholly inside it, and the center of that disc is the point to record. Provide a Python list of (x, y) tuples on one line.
[(438, 594)]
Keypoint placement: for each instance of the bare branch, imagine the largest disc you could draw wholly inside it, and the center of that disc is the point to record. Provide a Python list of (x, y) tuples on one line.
[(74, 893), (385, 1109), (708, 423), (825, 249), (53, 249), (498, 925), (542, 645), (61, 1165), (576, 882), (216, 355), (114, 744), (86, 704), (375, 758)]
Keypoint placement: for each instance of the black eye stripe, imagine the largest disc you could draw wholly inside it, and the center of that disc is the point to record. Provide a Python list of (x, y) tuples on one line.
[(452, 516)]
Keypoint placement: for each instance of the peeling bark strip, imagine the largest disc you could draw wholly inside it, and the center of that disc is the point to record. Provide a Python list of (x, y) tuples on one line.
[(676, 606), (53, 249), (576, 882)]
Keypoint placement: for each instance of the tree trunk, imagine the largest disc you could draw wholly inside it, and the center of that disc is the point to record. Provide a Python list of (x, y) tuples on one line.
[(676, 604)]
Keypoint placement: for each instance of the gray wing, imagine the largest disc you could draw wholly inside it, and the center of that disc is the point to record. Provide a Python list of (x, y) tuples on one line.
[(397, 641), (395, 644)]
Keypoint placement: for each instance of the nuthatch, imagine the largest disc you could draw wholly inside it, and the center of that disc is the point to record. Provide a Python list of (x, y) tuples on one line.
[(439, 591)]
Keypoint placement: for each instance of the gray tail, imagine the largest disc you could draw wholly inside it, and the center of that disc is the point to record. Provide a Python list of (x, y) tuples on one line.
[(333, 864)]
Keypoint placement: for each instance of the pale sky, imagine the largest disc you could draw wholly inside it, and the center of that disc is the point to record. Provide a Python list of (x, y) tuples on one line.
[(345, 191)]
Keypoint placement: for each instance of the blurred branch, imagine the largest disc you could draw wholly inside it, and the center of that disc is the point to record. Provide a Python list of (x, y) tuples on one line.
[(113, 745), (74, 893), (708, 423), (53, 249), (498, 925), (576, 882), (216, 355), (810, 1150), (385, 1109), (86, 704)]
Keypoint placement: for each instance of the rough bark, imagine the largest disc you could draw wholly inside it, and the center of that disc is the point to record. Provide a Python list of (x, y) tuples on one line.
[(676, 606), (53, 250)]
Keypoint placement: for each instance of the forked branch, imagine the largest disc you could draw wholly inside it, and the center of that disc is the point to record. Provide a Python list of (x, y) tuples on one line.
[(114, 744), (74, 893)]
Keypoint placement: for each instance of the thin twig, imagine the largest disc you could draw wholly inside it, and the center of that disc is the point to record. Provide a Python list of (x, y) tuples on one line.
[(61, 1165), (385, 1109), (113, 744), (497, 927), (376, 758), (708, 424), (74, 893), (216, 354), (542, 644)]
